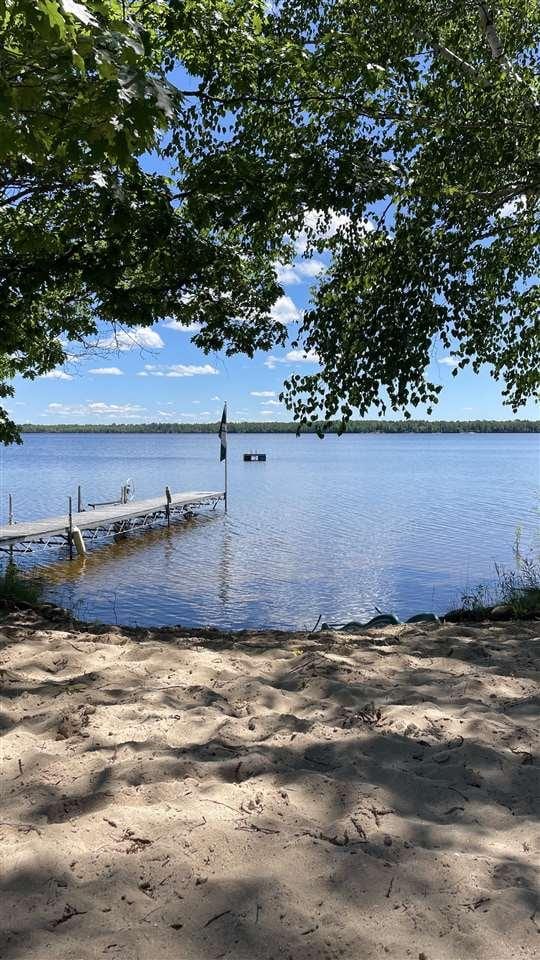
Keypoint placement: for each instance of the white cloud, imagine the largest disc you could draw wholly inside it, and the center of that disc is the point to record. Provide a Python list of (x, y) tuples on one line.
[(181, 327), (142, 338), (285, 311), (259, 393), (324, 226), (301, 269), (56, 375), (178, 370), (292, 357), (272, 403), (511, 207), (302, 356), (286, 274), (310, 268), (448, 361), (112, 409), (97, 408), (107, 371)]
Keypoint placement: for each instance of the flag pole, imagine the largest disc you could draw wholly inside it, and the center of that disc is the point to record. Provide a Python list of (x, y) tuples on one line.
[(226, 485)]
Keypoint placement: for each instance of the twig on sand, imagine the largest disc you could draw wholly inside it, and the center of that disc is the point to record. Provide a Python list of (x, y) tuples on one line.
[(219, 803), (463, 795), (150, 912), (379, 813), (217, 917), (25, 827), (68, 913), (477, 903), (243, 825), (201, 824)]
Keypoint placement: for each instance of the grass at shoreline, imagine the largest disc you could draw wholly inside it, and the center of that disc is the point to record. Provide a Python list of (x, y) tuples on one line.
[(516, 588), (17, 589)]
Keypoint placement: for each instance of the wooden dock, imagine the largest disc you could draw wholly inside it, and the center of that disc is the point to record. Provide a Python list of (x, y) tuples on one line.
[(103, 522)]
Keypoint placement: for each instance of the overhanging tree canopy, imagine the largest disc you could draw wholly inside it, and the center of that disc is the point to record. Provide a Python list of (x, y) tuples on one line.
[(412, 126)]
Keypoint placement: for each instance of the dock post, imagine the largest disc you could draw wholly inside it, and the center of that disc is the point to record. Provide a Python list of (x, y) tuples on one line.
[(70, 528), (10, 522), (168, 506), (226, 459), (79, 499)]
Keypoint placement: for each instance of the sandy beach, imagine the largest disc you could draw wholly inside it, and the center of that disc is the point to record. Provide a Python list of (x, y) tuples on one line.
[(188, 795)]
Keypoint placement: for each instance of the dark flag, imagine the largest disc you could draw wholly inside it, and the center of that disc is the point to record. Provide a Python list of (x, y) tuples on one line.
[(223, 435)]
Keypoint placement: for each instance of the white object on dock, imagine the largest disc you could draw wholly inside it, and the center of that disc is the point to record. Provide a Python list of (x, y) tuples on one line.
[(78, 541)]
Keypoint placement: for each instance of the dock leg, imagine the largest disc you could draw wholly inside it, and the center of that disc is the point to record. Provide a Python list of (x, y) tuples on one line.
[(70, 528), (10, 522)]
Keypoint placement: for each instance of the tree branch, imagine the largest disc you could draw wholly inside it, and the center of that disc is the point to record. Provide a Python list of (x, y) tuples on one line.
[(490, 33), (462, 65)]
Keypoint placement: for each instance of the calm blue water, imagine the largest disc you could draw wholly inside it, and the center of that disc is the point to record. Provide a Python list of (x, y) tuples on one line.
[(335, 527)]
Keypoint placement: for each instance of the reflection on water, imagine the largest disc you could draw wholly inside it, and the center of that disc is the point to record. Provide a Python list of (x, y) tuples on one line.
[(335, 528)]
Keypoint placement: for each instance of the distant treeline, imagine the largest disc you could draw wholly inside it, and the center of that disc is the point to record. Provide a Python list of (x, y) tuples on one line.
[(355, 426)]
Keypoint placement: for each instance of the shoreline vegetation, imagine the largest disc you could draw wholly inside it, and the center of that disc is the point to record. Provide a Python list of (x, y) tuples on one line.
[(247, 426)]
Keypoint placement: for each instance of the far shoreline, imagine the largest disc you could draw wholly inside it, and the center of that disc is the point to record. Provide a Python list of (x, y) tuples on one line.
[(378, 427)]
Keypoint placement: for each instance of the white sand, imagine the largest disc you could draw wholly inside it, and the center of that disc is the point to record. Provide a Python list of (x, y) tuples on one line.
[(169, 795)]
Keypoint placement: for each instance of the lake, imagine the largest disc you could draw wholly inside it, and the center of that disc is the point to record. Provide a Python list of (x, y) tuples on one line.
[(336, 528)]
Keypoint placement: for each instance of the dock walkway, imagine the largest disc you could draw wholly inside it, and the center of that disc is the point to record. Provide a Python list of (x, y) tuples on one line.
[(105, 521)]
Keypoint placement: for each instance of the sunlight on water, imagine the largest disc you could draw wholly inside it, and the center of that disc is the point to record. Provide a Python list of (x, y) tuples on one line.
[(334, 528)]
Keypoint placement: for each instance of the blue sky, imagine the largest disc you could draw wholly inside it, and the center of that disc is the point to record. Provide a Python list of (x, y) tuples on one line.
[(158, 374)]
